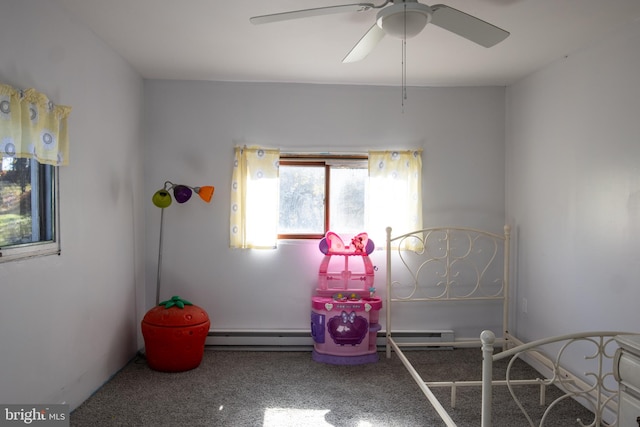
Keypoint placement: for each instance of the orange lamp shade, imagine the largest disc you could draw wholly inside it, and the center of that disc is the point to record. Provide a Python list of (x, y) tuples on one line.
[(206, 192)]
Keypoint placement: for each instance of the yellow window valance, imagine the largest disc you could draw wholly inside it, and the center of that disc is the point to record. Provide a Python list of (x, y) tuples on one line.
[(32, 126)]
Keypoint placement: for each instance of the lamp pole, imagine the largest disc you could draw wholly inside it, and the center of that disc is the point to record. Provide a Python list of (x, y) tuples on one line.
[(159, 257)]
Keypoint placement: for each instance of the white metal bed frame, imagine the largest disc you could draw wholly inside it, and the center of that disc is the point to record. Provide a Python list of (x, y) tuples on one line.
[(596, 388), (439, 250), (442, 251), (448, 248)]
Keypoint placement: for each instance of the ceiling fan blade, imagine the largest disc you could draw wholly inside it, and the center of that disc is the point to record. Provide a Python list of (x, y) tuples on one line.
[(305, 13), (366, 44), (467, 26)]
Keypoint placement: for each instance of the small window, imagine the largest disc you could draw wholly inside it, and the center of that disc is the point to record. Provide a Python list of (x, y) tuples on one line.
[(28, 209), (318, 194)]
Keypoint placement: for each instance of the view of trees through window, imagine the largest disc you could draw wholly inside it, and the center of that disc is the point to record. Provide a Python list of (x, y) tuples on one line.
[(302, 196), (348, 199), (26, 202), (305, 188)]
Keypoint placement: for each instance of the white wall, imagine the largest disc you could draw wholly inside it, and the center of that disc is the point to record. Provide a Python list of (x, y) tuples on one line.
[(192, 127), (573, 190), (68, 322)]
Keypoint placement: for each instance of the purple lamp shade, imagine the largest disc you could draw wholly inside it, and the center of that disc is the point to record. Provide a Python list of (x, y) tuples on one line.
[(182, 193)]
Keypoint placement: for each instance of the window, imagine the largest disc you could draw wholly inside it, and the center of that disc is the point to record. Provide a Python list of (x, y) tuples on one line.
[(28, 209), (318, 194), (288, 196)]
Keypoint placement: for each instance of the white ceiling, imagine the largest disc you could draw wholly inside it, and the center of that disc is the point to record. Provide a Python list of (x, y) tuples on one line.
[(213, 40)]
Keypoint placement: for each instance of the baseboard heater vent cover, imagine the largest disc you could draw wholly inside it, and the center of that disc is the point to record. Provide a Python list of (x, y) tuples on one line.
[(261, 340), (301, 340), (424, 340)]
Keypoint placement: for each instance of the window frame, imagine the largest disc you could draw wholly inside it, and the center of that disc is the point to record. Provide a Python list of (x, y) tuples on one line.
[(48, 245), (319, 160)]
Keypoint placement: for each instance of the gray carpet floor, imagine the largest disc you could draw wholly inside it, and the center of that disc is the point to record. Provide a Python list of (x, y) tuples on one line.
[(281, 389)]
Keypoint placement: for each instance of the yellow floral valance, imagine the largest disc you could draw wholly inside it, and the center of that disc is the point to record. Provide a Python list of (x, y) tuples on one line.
[(32, 126)]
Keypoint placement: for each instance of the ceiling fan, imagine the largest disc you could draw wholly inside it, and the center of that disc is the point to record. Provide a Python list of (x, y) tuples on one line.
[(401, 19)]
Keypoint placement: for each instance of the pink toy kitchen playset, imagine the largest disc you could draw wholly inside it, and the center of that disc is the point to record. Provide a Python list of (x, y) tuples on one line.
[(345, 310)]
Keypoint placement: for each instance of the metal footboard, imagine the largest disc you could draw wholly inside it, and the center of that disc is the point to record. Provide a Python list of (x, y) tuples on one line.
[(595, 389)]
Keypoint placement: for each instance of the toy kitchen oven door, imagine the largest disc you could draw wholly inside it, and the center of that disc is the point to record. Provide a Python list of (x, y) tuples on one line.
[(345, 310)]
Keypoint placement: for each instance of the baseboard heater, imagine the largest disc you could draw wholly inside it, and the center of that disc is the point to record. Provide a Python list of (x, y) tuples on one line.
[(420, 338), (301, 340)]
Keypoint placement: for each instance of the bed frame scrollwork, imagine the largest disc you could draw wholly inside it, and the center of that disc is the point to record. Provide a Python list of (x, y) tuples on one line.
[(447, 264)]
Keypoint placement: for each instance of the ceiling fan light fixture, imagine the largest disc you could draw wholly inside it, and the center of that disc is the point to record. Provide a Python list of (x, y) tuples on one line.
[(404, 20)]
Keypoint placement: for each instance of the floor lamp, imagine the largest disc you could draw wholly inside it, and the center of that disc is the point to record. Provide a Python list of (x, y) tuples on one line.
[(162, 199)]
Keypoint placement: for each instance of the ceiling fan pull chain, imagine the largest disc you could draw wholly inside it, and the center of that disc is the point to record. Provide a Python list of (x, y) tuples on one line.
[(404, 71), (404, 59)]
